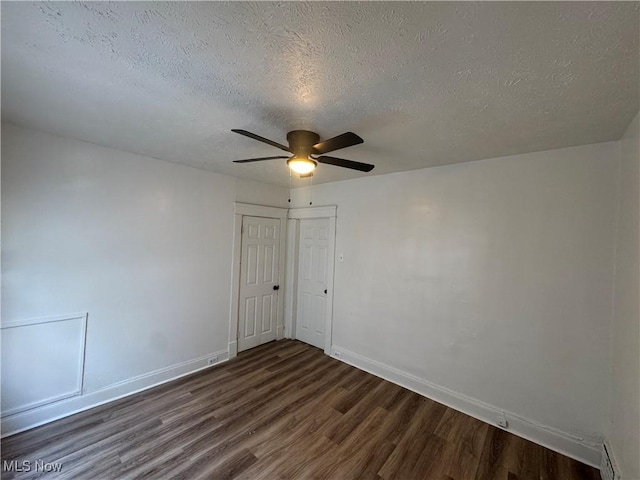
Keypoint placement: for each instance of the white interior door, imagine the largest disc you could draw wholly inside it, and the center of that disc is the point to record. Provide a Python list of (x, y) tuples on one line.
[(312, 281), (258, 302)]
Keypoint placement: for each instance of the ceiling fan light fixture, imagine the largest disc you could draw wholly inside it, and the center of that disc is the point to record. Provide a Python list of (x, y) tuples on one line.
[(303, 144), (301, 165)]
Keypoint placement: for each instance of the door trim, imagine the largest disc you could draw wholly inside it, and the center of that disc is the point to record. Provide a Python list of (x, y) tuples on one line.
[(291, 287), (240, 210)]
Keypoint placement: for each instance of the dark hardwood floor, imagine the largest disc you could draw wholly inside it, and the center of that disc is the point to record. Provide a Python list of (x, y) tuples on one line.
[(283, 410)]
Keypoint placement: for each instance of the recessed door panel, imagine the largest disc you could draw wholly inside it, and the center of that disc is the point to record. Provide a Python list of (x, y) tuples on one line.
[(253, 230), (307, 262), (252, 264), (305, 312), (321, 264), (269, 232), (269, 263), (319, 314), (267, 313), (250, 316), (308, 232)]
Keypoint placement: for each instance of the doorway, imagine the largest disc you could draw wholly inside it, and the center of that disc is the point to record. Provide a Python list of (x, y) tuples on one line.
[(257, 306), (312, 281), (310, 267), (259, 281)]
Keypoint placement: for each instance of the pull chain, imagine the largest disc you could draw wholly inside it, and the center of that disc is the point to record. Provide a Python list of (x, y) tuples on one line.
[(289, 186), (311, 191)]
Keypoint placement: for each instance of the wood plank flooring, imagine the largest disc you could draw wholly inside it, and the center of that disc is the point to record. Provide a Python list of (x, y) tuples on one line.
[(282, 410)]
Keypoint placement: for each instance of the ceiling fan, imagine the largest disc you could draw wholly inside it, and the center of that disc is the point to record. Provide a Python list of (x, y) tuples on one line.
[(306, 147)]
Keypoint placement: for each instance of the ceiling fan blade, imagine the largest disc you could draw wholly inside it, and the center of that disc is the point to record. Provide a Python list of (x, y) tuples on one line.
[(341, 162), (261, 139), (247, 160), (336, 143)]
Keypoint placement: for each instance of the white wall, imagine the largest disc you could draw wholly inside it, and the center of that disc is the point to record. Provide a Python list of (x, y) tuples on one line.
[(489, 282), (491, 279), (144, 246), (624, 435)]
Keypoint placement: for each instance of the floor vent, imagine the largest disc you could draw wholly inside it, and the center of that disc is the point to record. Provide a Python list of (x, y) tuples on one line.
[(607, 466)]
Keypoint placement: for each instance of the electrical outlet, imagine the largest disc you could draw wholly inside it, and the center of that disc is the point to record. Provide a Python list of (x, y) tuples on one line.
[(502, 420), (213, 360)]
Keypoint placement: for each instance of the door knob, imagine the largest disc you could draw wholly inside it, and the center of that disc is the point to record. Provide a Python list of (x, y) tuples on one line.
[(276, 287), (325, 291)]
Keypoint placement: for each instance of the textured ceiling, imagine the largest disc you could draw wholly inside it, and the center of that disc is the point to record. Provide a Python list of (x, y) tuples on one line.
[(423, 83)]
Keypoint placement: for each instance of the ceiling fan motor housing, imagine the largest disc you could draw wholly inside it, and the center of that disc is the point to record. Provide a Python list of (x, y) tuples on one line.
[(301, 142)]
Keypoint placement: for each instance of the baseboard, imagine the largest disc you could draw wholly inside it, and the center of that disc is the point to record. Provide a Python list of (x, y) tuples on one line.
[(585, 450), (29, 419)]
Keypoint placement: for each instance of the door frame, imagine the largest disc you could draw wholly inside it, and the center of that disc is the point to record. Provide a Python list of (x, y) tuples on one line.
[(291, 287), (246, 209)]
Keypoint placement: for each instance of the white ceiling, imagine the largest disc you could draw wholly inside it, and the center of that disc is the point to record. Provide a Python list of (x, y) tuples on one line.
[(423, 83)]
